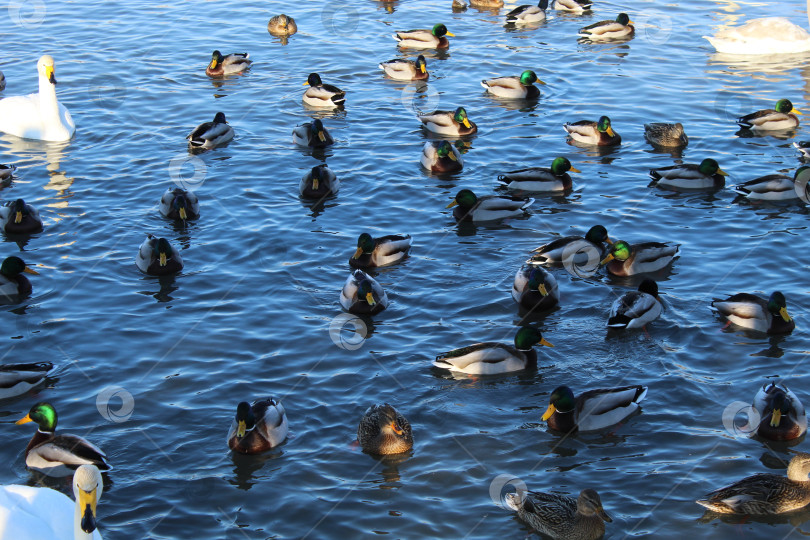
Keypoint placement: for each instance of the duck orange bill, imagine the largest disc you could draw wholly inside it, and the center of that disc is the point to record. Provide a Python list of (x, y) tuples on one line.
[(306, 83), (452, 156), (783, 312), (450, 34), (611, 132), (607, 259), (370, 299), (87, 503), (241, 428), (213, 64), (30, 271), (24, 420), (546, 343), (395, 428), (162, 259), (466, 123), (721, 172), (357, 253), (776, 417), (452, 204), (551, 410), (608, 240), (574, 169)]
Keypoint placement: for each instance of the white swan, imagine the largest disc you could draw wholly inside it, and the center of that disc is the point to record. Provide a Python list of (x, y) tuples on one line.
[(771, 35), (34, 512), (38, 116)]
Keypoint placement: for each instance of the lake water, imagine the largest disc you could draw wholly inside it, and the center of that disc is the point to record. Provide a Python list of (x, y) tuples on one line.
[(151, 369)]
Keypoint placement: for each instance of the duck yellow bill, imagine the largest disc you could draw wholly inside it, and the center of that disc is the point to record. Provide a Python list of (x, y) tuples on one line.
[(162, 259), (608, 240), (24, 420), (721, 172), (321, 136), (776, 417), (87, 502), (540, 82), (183, 214), (551, 410), (213, 64), (450, 34), (17, 217), (241, 428), (796, 111), (30, 271), (546, 343), (607, 259), (574, 169), (306, 83), (542, 289), (49, 74), (611, 132), (370, 299), (466, 123), (783, 312), (452, 156), (357, 253), (314, 183), (452, 204)]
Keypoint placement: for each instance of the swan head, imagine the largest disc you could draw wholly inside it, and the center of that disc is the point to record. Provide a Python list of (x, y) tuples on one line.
[(45, 68), (87, 488)]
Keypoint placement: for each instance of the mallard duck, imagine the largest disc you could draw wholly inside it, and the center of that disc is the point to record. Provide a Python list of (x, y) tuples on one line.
[(491, 358), (574, 249), (41, 512), (620, 28), (2, 81), (561, 517), (541, 179), (535, 288), (782, 414), (12, 281), (764, 494), (802, 146), (282, 25), (770, 35), (227, 65), (449, 123), (441, 157), (777, 187), (179, 204), (528, 14), (781, 117), (518, 87), (406, 70), (210, 134), (17, 379), (459, 5), (598, 133), (634, 309), (312, 134), (58, 455), (7, 171), (469, 207), (319, 182), (755, 313), (381, 251), (17, 217), (384, 431), (627, 260), (259, 427), (362, 294), (665, 135), (157, 257), (323, 95), (38, 116), (592, 410), (574, 6), (707, 175), (434, 38)]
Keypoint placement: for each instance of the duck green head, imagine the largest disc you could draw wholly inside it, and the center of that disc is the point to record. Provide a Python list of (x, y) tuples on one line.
[(529, 77), (460, 116), (785, 106), (216, 59), (365, 244), (649, 286), (597, 234), (561, 400), (620, 251), (778, 306), (799, 171), (366, 293), (162, 249), (561, 165), (537, 281), (527, 337), (464, 198), (219, 118), (421, 64), (180, 205), (43, 414), (781, 406), (14, 266), (245, 420), (445, 150), (603, 125), (624, 19), (313, 80), (440, 30), (710, 167), (20, 210)]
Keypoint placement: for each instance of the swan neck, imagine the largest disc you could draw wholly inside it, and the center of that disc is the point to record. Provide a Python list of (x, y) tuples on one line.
[(47, 97)]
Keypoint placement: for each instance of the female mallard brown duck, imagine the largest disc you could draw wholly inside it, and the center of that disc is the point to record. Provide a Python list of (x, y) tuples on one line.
[(441, 157), (590, 133), (777, 187), (282, 25), (574, 249), (492, 358), (406, 70), (383, 431), (528, 14), (541, 179), (17, 379), (434, 38), (312, 134), (592, 410), (707, 175), (664, 135), (362, 294), (13, 283), (634, 309), (765, 494), (449, 123), (319, 182), (381, 251), (470, 207), (621, 28), (756, 313), (781, 117), (535, 288), (210, 134), (58, 455), (157, 257), (782, 415), (627, 260), (560, 517), (323, 95), (231, 64), (258, 427), (517, 87), (18, 217), (179, 204)]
